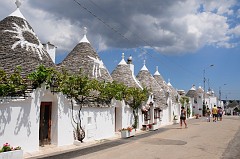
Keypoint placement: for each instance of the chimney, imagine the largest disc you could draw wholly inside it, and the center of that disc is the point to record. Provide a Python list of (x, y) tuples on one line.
[(129, 62)]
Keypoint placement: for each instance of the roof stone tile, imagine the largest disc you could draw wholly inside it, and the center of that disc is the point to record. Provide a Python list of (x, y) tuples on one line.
[(147, 80), (19, 46), (83, 56)]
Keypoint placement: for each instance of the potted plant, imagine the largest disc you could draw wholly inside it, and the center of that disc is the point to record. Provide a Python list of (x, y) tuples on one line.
[(153, 126), (175, 118), (197, 116), (127, 132), (8, 152), (124, 133)]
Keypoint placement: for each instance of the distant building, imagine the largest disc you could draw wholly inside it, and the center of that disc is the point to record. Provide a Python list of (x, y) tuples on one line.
[(232, 107)]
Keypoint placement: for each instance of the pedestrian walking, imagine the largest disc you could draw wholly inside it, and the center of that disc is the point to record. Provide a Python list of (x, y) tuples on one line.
[(220, 113), (183, 117), (214, 113)]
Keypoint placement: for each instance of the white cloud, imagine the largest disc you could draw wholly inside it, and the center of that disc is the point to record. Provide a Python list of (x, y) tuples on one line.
[(220, 6), (169, 26), (101, 44), (184, 34), (235, 30), (6, 6), (58, 31)]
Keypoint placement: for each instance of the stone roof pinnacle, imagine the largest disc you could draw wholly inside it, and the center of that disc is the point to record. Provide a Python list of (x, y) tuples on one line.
[(156, 73), (144, 66), (84, 39), (169, 84), (122, 62), (17, 12)]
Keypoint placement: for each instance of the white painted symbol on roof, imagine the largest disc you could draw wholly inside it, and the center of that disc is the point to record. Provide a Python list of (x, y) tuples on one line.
[(96, 66), (29, 46)]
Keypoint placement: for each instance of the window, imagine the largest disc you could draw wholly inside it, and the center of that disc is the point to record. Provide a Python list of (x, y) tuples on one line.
[(89, 120), (156, 113), (147, 115)]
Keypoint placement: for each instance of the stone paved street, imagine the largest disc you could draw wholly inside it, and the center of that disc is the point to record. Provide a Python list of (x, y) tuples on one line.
[(201, 139)]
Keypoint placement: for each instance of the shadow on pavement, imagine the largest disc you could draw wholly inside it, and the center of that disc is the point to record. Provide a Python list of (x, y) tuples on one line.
[(104, 145)]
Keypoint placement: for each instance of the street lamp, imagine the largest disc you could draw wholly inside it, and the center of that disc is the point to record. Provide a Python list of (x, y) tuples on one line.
[(204, 81), (220, 93)]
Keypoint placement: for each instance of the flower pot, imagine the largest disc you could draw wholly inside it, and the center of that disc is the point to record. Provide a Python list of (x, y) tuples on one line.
[(132, 132), (175, 121), (154, 127), (77, 142), (125, 134), (15, 154)]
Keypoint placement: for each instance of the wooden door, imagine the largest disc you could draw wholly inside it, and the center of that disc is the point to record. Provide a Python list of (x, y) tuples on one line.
[(45, 123)]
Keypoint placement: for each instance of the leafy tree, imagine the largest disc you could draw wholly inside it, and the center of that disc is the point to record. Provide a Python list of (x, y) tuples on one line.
[(110, 90), (16, 83), (135, 97), (12, 84), (42, 75), (77, 87), (3, 83), (184, 101)]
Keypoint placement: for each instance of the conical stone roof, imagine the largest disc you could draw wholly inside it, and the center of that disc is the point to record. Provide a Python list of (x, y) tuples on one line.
[(147, 80), (157, 76), (173, 92), (123, 74), (200, 90), (192, 93), (85, 58), (20, 46)]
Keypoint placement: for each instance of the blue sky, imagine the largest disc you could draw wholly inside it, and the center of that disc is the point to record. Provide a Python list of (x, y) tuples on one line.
[(181, 37), (186, 70)]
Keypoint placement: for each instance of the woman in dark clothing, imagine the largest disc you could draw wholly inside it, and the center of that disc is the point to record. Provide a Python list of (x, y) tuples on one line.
[(183, 117)]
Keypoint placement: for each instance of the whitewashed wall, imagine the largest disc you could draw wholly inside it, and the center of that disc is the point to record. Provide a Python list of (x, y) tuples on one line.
[(99, 123), (140, 119), (177, 109), (167, 113), (127, 116), (165, 117), (124, 115), (19, 122), (194, 106), (190, 104), (211, 101), (62, 128)]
